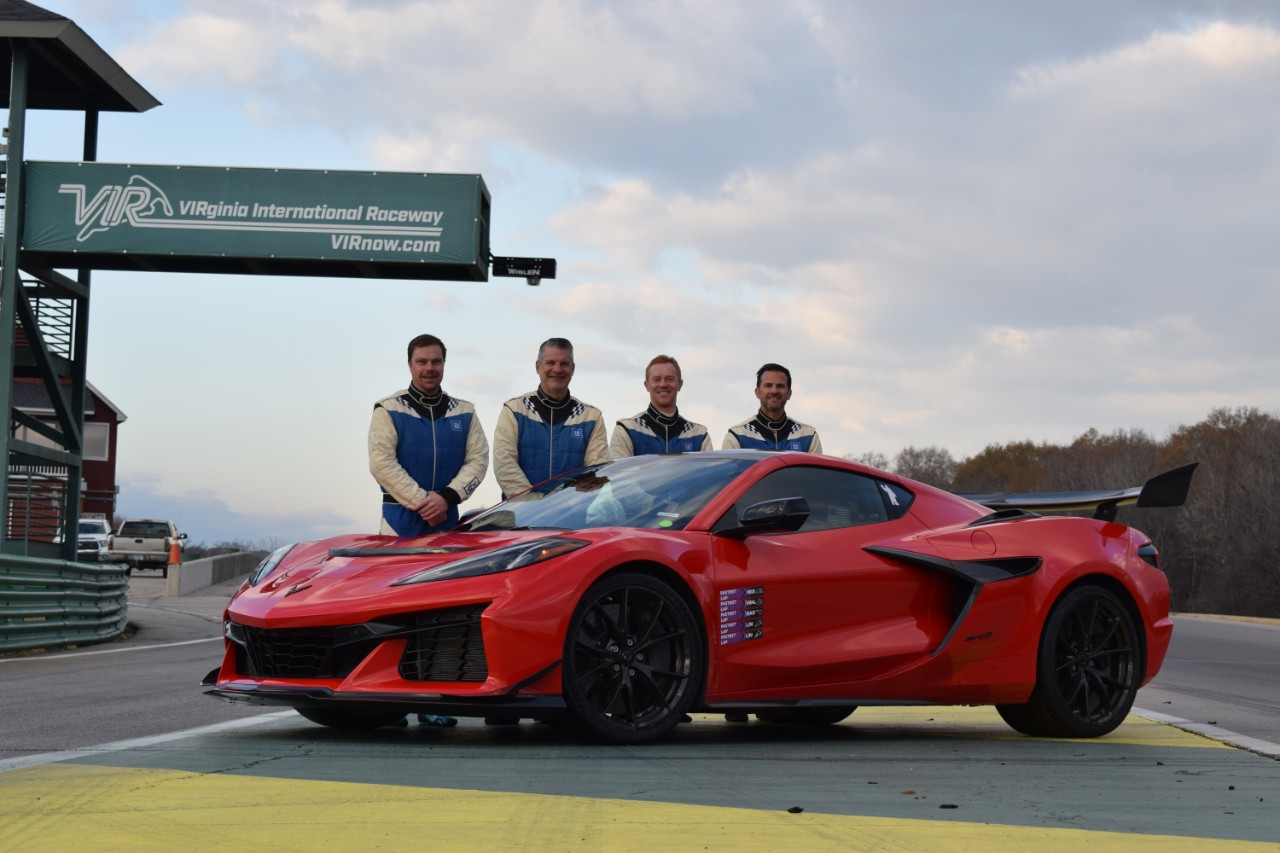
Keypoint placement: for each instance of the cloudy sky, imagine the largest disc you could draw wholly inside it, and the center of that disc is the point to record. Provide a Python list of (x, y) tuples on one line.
[(957, 223)]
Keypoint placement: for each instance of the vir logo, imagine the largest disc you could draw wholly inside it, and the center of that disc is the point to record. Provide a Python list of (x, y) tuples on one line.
[(112, 205)]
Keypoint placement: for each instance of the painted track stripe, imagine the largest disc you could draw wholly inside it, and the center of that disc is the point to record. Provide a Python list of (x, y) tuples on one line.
[(1252, 744), (56, 656), (136, 743)]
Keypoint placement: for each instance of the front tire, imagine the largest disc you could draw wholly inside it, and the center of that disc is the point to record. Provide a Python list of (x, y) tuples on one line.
[(634, 661), (1088, 669), (350, 721)]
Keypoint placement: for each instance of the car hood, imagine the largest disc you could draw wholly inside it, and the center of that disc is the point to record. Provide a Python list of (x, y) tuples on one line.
[(355, 575)]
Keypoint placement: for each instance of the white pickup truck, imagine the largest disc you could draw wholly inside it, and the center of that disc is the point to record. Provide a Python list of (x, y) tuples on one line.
[(144, 543)]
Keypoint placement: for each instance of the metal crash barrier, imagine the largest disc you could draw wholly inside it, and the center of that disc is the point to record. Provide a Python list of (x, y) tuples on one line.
[(53, 603)]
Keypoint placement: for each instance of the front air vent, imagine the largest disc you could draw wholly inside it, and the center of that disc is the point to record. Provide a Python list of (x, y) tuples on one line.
[(445, 645)]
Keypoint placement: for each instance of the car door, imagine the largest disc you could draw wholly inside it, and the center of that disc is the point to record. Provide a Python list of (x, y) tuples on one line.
[(811, 607)]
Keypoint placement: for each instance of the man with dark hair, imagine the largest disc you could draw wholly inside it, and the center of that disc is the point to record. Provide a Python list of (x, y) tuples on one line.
[(771, 429), (659, 428), (547, 432), (426, 449), (428, 453)]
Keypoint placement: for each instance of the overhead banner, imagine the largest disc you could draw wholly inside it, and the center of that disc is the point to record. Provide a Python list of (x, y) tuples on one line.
[(203, 218)]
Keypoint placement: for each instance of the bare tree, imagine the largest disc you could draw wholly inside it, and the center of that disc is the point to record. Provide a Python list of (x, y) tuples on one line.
[(872, 458), (934, 466)]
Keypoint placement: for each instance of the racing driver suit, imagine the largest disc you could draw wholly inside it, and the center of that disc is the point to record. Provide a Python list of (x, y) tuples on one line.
[(653, 432), (538, 437), (760, 433), (420, 444)]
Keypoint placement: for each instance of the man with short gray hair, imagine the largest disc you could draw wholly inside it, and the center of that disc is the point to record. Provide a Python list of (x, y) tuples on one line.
[(547, 432)]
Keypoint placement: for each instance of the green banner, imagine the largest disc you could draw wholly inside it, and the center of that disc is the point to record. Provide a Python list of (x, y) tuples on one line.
[(275, 216)]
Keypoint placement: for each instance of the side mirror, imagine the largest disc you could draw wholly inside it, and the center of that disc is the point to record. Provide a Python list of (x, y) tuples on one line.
[(780, 515)]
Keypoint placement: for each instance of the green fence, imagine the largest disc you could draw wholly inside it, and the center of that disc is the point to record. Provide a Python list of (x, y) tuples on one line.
[(52, 603)]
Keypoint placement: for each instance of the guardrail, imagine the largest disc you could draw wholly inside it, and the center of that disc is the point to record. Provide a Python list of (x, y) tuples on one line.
[(53, 603), (186, 578)]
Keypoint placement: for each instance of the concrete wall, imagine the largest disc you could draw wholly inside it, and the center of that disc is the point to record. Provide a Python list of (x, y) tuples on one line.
[(190, 577)]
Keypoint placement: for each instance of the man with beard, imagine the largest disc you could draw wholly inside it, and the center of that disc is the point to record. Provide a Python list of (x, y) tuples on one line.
[(426, 449), (428, 453), (771, 429)]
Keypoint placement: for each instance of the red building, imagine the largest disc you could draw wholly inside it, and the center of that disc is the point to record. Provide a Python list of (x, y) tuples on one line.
[(37, 491)]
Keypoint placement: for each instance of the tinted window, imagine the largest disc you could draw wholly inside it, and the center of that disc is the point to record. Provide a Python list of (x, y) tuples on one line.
[(145, 529), (896, 498), (836, 498)]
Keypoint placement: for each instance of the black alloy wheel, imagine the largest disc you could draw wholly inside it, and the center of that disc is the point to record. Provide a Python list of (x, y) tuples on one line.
[(1088, 669), (634, 661)]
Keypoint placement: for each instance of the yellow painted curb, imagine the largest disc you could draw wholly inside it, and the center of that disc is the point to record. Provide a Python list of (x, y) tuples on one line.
[(63, 807)]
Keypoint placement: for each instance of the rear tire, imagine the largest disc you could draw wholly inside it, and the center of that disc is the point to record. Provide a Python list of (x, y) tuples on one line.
[(1088, 669), (350, 721)]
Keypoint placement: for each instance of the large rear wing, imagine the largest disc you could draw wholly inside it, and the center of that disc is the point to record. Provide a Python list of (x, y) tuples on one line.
[(1163, 490)]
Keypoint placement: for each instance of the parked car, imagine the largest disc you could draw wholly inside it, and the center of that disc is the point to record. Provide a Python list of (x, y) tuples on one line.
[(144, 543), (788, 585), (91, 540)]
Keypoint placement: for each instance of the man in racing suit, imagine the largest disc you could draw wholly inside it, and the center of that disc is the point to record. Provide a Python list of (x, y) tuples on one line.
[(547, 432), (426, 449), (659, 428), (771, 429)]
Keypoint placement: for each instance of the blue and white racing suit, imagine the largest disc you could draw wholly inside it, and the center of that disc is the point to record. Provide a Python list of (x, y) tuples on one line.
[(538, 438), (760, 433), (420, 444), (653, 432)]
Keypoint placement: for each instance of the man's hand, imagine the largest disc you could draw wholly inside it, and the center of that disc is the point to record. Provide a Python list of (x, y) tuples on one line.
[(434, 509)]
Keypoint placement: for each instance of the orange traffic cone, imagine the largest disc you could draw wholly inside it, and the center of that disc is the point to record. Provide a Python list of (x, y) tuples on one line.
[(175, 552)]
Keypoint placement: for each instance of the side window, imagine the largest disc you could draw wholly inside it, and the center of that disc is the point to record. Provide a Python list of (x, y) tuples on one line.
[(896, 498), (836, 498)]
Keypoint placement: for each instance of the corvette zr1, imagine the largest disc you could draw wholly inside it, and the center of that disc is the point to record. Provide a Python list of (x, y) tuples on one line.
[(792, 586)]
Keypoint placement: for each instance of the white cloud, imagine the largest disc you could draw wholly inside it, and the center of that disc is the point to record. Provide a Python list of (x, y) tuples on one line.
[(955, 226)]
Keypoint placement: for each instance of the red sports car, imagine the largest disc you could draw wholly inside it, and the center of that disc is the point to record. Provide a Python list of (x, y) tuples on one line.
[(791, 586)]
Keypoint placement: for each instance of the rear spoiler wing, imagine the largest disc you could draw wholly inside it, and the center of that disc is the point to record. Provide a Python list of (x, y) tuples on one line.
[(1162, 490)]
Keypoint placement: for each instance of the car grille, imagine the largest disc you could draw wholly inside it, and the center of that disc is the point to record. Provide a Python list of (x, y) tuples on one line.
[(300, 653), (443, 645)]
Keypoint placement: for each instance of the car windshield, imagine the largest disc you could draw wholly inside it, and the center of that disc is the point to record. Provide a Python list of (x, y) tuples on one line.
[(93, 527), (663, 492)]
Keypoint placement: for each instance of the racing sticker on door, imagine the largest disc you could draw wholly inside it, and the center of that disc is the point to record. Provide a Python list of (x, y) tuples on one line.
[(741, 614)]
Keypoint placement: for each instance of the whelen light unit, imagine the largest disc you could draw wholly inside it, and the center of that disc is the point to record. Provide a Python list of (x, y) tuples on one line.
[(533, 270)]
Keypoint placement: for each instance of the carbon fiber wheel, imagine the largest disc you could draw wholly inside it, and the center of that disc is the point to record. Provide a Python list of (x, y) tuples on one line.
[(1088, 670), (634, 661)]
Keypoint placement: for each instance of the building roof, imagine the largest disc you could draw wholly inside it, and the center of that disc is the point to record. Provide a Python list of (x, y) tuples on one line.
[(30, 396), (67, 70)]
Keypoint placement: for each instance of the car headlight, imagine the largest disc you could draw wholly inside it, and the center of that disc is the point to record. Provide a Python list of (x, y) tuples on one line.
[(269, 565), (501, 560)]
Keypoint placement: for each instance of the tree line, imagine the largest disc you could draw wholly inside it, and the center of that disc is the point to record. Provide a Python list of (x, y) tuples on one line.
[(1221, 551)]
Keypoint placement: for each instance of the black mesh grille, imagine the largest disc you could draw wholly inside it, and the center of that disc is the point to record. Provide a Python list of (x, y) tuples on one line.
[(295, 653), (445, 645)]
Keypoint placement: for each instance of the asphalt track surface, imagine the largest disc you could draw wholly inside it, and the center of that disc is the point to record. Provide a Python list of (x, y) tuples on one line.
[(885, 779)]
